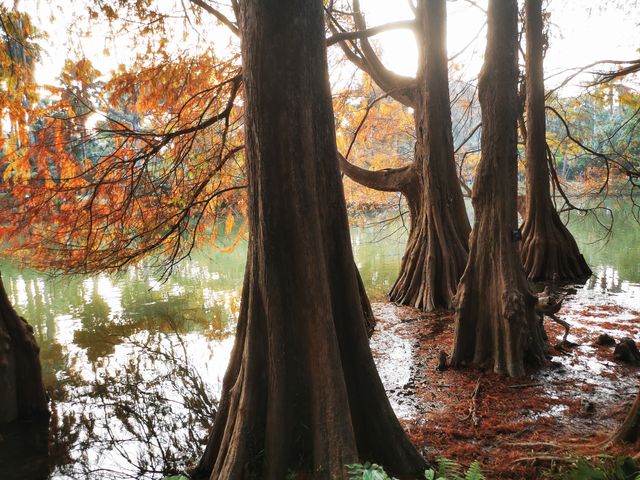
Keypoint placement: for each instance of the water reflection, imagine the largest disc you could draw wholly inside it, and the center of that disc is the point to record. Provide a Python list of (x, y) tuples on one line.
[(134, 366)]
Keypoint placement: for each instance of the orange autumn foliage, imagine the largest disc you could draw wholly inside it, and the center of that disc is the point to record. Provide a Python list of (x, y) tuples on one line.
[(109, 168), (375, 132), (105, 172)]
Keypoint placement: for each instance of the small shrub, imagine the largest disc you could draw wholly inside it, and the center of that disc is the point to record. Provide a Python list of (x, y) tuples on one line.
[(603, 467), (450, 470), (366, 471), (446, 470)]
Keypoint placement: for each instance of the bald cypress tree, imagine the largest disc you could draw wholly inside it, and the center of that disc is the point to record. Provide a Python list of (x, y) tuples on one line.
[(301, 393)]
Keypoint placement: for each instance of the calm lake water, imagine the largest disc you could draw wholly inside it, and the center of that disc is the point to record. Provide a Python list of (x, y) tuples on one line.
[(134, 366)]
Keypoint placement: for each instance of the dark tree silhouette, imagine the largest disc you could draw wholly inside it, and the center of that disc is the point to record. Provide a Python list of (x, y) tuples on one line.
[(22, 395)]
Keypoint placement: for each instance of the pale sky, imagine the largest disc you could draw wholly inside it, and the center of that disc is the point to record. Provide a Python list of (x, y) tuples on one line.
[(583, 32)]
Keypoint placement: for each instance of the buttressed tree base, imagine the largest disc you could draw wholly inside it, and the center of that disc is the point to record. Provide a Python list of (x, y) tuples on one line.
[(437, 248), (495, 322), (301, 394)]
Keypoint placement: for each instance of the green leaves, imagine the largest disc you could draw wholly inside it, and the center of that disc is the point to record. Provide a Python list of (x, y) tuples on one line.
[(605, 468), (446, 470), (366, 471), (450, 470)]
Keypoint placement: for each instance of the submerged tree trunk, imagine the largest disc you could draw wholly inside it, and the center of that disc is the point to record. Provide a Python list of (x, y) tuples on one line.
[(437, 248), (301, 394), (495, 322), (22, 394), (548, 248)]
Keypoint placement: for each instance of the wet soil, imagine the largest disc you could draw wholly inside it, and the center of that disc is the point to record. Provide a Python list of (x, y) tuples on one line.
[(514, 427)]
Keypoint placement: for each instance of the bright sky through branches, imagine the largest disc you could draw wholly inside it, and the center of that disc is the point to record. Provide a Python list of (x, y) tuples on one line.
[(582, 32)]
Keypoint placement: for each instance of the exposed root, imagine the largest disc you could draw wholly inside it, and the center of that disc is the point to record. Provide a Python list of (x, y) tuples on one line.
[(544, 458), (550, 304), (525, 385), (473, 407), (566, 326), (535, 444)]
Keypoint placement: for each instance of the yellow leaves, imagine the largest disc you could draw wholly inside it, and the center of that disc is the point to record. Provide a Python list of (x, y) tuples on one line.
[(229, 223), (18, 169), (109, 12), (383, 131)]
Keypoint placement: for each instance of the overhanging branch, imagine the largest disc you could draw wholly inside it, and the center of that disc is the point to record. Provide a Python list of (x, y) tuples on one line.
[(370, 32)]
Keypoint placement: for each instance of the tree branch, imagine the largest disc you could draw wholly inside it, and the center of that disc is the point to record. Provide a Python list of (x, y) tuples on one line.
[(219, 15), (387, 180), (401, 88), (604, 77), (370, 32)]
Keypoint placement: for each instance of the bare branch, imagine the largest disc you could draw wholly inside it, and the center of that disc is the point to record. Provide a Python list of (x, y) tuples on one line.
[(219, 15), (604, 77), (370, 32), (387, 180), (400, 87)]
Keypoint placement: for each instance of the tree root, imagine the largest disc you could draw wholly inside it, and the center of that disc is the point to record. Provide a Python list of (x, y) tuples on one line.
[(473, 407), (566, 326), (548, 306), (536, 444), (544, 458)]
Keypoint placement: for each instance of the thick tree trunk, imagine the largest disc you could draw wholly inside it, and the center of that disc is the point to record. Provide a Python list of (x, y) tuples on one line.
[(437, 248), (496, 322), (629, 431), (548, 248), (22, 395), (301, 393)]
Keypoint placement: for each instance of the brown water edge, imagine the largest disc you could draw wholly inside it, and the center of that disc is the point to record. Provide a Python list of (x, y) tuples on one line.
[(142, 409), (576, 401)]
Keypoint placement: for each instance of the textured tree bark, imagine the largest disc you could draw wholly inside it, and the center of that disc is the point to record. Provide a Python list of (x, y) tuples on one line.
[(629, 431), (301, 393), (548, 249), (437, 248), (22, 394), (495, 322)]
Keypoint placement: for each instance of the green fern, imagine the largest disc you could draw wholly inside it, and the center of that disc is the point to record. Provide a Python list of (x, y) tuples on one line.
[(475, 472), (451, 470), (604, 467)]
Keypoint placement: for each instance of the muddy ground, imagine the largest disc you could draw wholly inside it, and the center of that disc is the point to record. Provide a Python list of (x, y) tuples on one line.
[(515, 427)]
